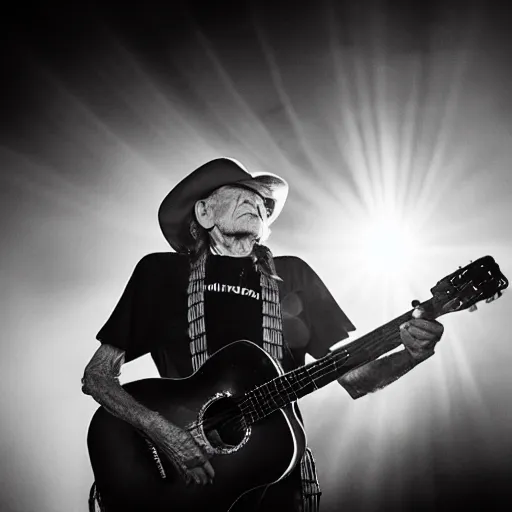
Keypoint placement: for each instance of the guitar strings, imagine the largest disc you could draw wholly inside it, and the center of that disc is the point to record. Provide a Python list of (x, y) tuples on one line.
[(320, 368), (313, 371)]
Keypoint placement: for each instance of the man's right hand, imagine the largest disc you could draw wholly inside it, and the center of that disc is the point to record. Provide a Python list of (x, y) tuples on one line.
[(181, 449)]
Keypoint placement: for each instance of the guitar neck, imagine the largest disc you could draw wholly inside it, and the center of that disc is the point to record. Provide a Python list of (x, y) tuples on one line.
[(462, 289), (351, 355), (283, 390)]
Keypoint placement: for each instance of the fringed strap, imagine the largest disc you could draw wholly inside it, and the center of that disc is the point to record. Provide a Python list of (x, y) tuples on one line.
[(95, 504), (196, 323), (310, 487), (272, 323)]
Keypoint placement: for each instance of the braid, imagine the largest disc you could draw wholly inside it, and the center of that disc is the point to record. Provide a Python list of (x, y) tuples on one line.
[(202, 241), (264, 261)]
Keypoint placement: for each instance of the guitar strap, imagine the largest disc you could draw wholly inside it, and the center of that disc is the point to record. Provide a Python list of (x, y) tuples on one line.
[(272, 343)]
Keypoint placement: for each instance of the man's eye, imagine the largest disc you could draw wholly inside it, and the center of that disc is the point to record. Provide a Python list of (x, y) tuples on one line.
[(269, 206)]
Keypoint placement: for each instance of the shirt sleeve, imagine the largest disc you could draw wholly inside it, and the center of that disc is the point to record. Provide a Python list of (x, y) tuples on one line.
[(311, 316), (128, 325)]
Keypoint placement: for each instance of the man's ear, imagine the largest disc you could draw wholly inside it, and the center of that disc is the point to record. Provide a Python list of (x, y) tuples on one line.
[(204, 214)]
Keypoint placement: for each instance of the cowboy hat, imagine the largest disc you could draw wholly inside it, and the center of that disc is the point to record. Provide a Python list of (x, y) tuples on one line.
[(176, 210)]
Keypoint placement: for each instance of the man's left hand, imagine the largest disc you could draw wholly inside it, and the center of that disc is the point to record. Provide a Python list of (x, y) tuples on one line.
[(420, 335)]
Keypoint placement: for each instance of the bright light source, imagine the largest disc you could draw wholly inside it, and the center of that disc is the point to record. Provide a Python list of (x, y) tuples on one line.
[(386, 243)]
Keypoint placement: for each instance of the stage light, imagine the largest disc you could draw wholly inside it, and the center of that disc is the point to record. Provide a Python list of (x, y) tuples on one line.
[(386, 243)]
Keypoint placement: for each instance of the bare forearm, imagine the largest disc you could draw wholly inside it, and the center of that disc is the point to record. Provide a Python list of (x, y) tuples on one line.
[(109, 393), (379, 373), (101, 381)]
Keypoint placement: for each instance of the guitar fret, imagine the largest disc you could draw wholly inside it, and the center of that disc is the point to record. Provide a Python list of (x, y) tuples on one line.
[(271, 394), (290, 386), (309, 377)]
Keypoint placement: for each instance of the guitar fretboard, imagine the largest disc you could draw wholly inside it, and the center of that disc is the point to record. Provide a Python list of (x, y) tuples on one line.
[(281, 391)]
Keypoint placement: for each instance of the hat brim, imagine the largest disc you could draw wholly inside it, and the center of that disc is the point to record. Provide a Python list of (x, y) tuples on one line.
[(177, 208)]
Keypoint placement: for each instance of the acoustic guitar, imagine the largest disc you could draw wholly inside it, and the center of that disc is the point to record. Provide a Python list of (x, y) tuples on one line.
[(240, 406)]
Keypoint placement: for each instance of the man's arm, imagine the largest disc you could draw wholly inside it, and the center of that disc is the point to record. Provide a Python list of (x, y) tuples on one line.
[(379, 373), (101, 381), (419, 337)]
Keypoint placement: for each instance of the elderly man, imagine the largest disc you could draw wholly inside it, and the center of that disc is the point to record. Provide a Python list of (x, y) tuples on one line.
[(221, 285)]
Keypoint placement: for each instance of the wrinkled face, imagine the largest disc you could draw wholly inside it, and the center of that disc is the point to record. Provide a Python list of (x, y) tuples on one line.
[(238, 212)]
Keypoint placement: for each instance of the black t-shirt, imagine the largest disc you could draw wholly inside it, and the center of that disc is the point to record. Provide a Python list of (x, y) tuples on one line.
[(151, 317)]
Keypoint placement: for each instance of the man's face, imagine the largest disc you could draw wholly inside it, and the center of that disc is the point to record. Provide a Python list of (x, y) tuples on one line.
[(238, 211)]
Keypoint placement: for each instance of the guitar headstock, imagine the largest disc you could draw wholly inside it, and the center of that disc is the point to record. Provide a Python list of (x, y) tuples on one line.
[(463, 289)]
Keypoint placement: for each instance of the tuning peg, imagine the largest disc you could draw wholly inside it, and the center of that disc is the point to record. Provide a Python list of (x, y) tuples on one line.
[(494, 297), (472, 308)]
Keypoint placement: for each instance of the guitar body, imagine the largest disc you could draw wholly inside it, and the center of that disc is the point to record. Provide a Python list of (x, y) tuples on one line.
[(126, 473)]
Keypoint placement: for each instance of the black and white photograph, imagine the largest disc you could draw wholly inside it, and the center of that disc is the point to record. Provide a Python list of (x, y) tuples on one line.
[(255, 256)]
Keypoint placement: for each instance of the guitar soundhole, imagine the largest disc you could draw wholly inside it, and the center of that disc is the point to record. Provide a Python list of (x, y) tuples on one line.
[(223, 425)]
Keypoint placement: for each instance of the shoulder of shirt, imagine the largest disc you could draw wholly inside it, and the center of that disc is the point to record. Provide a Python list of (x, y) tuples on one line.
[(157, 260), (294, 272), (286, 262)]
